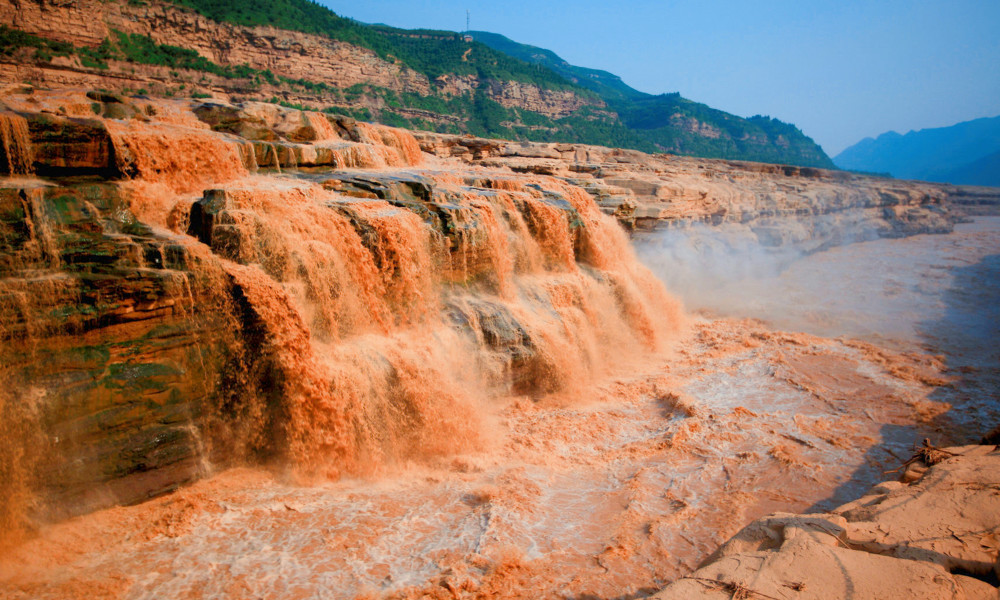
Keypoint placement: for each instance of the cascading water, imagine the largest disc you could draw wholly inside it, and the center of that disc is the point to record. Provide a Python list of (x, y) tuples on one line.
[(436, 381), (337, 281), (382, 322), (15, 144)]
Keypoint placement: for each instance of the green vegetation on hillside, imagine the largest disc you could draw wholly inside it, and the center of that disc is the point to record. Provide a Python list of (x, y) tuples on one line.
[(651, 123), (12, 40), (433, 53), (141, 49), (608, 86), (671, 123), (478, 114)]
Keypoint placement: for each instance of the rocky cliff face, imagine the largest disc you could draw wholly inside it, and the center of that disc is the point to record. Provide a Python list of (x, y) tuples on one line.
[(285, 53), (552, 103), (106, 356), (288, 53)]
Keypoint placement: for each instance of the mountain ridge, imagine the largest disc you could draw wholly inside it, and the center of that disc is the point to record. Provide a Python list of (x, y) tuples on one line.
[(942, 154), (669, 122), (602, 82)]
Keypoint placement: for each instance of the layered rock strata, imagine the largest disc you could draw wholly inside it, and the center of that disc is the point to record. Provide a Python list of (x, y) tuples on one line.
[(776, 205), (290, 54)]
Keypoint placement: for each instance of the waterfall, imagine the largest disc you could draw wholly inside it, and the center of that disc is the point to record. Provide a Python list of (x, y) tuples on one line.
[(389, 323), (15, 144), (330, 322)]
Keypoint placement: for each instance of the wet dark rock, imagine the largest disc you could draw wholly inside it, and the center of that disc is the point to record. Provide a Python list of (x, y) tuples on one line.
[(64, 145), (100, 321)]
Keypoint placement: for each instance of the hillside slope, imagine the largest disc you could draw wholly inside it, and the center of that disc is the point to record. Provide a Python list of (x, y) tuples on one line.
[(672, 123), (943, 154), (607, 85), (297, 53)]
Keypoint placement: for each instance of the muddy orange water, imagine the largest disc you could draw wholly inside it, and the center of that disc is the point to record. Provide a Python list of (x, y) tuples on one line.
[(607, 493), (414, 468), (938, 294)]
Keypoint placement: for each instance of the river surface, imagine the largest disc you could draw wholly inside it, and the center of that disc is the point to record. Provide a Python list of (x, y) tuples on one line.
[(938, 294), (609, 492)]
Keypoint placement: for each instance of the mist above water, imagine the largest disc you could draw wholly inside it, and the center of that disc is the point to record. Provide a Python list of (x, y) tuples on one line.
[(916, 290), (934, 294)]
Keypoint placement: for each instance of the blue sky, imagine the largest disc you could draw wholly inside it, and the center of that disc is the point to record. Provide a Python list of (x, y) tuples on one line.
[(840, 70)]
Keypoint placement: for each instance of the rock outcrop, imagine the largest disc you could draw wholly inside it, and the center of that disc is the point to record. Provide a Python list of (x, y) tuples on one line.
[(974, 200), (935, 535), (288, 53), (101, 334), (775, 204)]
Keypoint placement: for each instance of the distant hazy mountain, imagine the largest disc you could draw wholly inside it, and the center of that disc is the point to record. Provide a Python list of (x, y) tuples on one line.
[(966, 153), (984, 171)]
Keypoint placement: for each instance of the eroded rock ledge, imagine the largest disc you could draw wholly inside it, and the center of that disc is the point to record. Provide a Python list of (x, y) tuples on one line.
[(935, 537), (776, 205)]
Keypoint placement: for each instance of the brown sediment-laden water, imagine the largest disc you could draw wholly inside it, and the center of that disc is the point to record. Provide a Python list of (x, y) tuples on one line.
[(448, 381)]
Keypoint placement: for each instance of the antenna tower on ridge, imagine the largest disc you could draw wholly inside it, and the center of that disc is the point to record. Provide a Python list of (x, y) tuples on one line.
[(467, 36)]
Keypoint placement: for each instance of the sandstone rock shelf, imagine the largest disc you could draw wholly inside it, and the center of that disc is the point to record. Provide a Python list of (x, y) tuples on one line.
[(935, 535), (777, 204)]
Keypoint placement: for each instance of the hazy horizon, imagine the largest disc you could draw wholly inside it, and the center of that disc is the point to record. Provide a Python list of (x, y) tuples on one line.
[(840, 71)]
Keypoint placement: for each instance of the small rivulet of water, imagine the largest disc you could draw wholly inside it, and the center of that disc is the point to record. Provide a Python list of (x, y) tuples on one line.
[(15, 143)]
